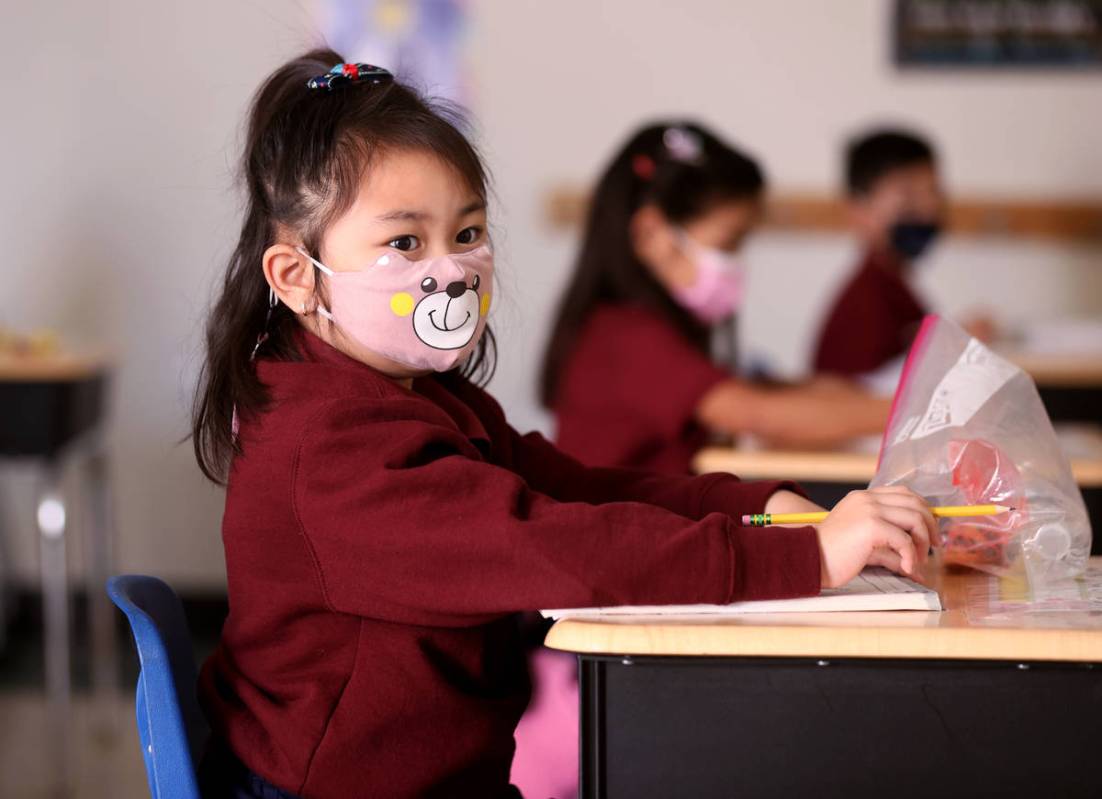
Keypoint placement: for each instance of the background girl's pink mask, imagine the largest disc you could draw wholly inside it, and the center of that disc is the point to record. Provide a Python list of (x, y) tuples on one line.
[(718, 289), (426, 314)]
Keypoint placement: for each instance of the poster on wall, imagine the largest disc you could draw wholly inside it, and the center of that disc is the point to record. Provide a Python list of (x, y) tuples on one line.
[(998, 33), (421, 41)]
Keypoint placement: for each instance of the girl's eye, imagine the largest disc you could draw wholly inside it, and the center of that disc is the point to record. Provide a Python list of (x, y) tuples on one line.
[(404, 243), (468, 235)]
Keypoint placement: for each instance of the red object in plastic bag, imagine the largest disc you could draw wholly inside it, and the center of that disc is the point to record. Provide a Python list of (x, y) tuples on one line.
[(970, 545), (983, 475)]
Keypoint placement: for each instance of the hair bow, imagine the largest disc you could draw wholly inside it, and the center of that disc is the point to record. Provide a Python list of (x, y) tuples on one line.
[(348, 74)]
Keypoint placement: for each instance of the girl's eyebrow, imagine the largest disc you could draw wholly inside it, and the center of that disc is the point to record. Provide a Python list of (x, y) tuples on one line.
[(470, 208), (404, 215)]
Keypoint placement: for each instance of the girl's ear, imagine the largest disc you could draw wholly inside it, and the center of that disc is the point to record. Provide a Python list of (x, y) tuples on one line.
[(651, 236), (291, 276), (654, 239)]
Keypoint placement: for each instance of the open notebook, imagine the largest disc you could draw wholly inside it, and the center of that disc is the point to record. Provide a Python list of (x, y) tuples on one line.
[(872, 589)]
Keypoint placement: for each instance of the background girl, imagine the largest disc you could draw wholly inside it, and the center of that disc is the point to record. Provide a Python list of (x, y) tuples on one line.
[(628, 370)]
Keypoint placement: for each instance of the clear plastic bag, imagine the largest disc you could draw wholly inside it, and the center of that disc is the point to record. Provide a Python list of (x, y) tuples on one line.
[(967, 427)]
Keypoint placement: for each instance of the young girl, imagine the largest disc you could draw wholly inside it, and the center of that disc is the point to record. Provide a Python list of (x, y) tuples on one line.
[(383, 521), (628, 370)]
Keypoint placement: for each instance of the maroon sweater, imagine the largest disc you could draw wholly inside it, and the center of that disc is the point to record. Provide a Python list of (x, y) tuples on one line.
[(873, 320), (628, 393), (378, 544)]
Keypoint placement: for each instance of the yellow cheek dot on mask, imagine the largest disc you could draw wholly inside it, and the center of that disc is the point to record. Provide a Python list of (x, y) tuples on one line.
[(402, 304), (485, 306)]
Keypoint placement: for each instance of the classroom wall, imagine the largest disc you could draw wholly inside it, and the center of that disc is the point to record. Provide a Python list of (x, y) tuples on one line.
[(119, 210), (116, 151)]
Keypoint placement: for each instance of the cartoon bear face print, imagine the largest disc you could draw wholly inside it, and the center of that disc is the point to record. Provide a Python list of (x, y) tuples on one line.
[(446, 317)]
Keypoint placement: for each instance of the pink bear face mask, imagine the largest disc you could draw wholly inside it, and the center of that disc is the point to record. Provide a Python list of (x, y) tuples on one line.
[(426, 314)]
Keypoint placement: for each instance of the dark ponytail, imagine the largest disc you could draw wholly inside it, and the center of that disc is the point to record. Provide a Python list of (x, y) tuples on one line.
[(304, 156), (683, 170)]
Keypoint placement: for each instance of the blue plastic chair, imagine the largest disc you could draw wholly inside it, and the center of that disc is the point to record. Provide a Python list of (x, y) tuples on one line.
[(171, 726)]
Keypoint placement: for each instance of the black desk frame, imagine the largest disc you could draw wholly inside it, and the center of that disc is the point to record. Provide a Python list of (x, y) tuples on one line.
[(706, 727)]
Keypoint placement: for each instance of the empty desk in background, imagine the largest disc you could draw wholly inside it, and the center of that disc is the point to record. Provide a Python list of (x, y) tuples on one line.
[(51, 413), (828, 475), (1070, 384), (900, 704)]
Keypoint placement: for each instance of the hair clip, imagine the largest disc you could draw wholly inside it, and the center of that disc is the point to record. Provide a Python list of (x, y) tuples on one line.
[(643, 166), (683, 145), (348, 74)]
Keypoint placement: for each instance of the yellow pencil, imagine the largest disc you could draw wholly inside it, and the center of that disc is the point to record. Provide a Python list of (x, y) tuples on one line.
[(942, 512)]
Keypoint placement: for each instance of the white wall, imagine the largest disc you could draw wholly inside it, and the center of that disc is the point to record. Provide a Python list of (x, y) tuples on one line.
[(117, 209), (116, 152)]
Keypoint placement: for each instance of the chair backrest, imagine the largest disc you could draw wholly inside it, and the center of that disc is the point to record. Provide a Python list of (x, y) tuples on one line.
[(170, 724)]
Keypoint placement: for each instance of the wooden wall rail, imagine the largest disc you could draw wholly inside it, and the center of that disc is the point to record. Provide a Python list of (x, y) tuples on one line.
[(1067, 220)]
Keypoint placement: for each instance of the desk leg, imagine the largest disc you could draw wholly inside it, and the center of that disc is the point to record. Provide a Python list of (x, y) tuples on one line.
[(591, 731), (51, 513), (98, 548)]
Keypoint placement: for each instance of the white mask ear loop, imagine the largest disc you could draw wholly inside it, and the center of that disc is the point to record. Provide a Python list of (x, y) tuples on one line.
[(321, 311), (315, 261)]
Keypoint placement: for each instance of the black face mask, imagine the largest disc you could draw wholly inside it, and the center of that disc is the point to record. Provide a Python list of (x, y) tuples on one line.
[(911, 239)]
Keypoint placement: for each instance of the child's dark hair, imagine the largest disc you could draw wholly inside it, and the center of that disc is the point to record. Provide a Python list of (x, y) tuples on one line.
[(684, 171), (873, 155), (305, 154)]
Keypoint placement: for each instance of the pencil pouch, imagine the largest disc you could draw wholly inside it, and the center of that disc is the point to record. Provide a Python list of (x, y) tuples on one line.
[(967, 427)]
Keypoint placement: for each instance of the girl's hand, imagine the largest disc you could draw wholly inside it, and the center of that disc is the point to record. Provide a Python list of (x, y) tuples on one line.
[(889, 526), (789, 502)]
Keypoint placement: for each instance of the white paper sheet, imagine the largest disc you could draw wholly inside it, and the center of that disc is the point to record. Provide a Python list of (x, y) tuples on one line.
[(873, 589)]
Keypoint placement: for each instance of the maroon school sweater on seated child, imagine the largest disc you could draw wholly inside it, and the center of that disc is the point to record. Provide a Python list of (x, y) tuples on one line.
[(874, 319), (629, 390), (378, 543)]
